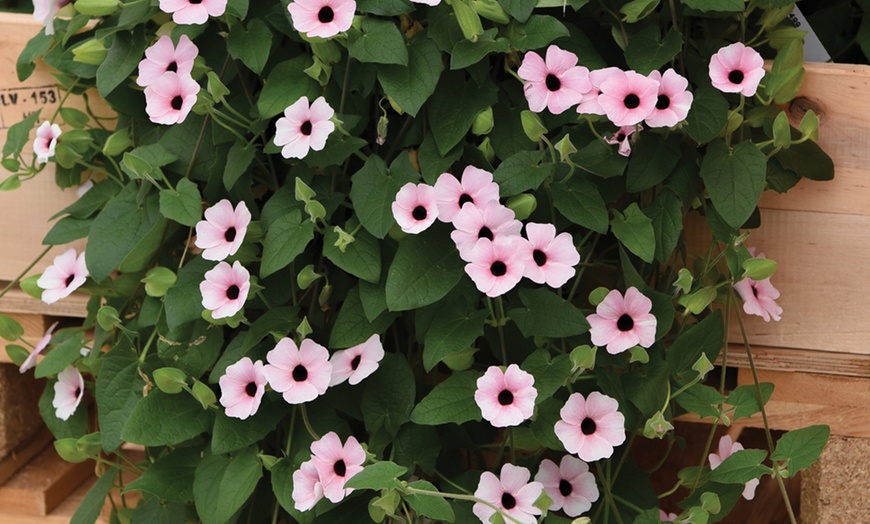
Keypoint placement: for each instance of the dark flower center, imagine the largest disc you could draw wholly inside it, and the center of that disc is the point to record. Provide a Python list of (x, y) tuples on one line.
[(325, 15), (176, 102), (251, 389), (70, 278), (172, 67), (419, 213), (754, 291), (508, 501), (565, 487), (355, 362), (587, 426), (631, 101), (305, 128), (340, 468), (620, 137), (663, 102), (539, 257), (498, 268), (464, 199), (230, 234), (736, 76), (300, 373), (78, 392), (485, 232), (505, 398), (552, 82), (625, 322), (195, 2), (233, 292)]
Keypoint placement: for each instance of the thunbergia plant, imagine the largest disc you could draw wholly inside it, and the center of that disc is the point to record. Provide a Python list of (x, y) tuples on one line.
[(376, 260)]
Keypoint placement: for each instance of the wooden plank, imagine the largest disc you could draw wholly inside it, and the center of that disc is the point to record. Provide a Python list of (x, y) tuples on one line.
[(62, 514), (17, 301), (43, 484), (21, 456), (807, 361)]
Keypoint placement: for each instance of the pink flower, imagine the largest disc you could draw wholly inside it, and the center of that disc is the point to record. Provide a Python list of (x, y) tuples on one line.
[(356, 363), (301, 374), (222, 232), (591, 427), (736, 69), (667, 517), (164, 57), (30, 361), (490, 220), (336, 463), (304, 127), (759, 296), (169, 99), (323, 18), (84, 187), (242, 388), (556, 84), (726, 449), (496, 266), (414, 208), (307, 489), (673, 102), (570, 485), (623, 138), (476, 187), (225, 289), (44, 12), (506, 398), (68, 392), (628, 97), (45, 141), (622, 323), (186, 12), (589, 104), (550, 258), (511, 493), (65, 275)]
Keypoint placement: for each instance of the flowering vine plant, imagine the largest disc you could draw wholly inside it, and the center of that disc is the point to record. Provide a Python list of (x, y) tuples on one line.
[(378, 260)]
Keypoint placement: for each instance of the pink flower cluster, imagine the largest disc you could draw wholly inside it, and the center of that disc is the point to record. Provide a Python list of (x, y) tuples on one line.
[(225, 288), (322, 18), (65, 275), (304, 127), (45, 141), (487, 234), (620, 323), (759, 296), (325, 474), (195, 12), (165, 73)]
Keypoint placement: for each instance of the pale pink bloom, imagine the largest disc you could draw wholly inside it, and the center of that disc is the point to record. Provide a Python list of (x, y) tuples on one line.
[(44, 12), (557, 83), (84, 187), (163, 56), (414, 208), (589, 104), (323, 18), (511, 492), (336, 463), (186, 12), (304, 127), (550, 258), (591, 427), (726, 449), (427, 2), (673, 102), (667, 517), (222, 232), (759, 296), (736, 69), (242, 388), (569, 485), (169, 99), (506, 398), (623, 138), (356, 363), (490, 220), (301, 374), (622, 323), (476, 187), (45, 141), (30, 361), (307, 489), (628, 97), (496, 266), (68, 392), (65, 275), (225, 289)]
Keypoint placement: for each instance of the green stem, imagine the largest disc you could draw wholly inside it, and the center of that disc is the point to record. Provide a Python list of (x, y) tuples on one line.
[(307, 423), (499, 307), (26, 270)]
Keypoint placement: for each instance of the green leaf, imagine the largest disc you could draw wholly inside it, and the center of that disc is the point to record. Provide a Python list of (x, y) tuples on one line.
[(801, 447), (701, 399), (373, 191), (66, 230), (580, 202), (547, 315), (425, 269), (745, 399), (231, 434), (160, 419), (667, 221), (388, 396), (635, 231), (18, 134), (522, 171), (741, 467), (122, 59), (222, 484), (379, 42), (361, 258), (286, 239), (538, 32), (652, 160), (74, 117), (183, 300), (35, 48), (171, 476), (734, 180), (60, 357), (432, 506), (239, 159), (808, 160), (707, 116), (550, 375), (453, 107), (726, 6), (705, 337), (10, 329), (451, 331), (600, 159), (282, 486), (92, 505), (648, 51), (380, 475), (410, 86), (352, 326), (184, 204), (637, 10), (417, 445), (519, 9), (119, 389), (648, 389), (287, 82), (250, 44), (546, 416), (451, 401), (467, 53), (759, 268), (384, 7)]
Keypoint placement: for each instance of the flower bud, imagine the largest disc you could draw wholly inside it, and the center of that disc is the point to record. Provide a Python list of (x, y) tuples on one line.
[(107, 317), (315, 210), (66, 448), (486, 148), (344, 239), (523, 205), (307, 276), (396, 107), (483, 122), (91, 52), (532, 125), (583, 357), (96, 7), (215, 87), (598, 295), (158, 280), (325, 293), (170, 380), (203, 394), (565, 148), (117, 143), (90, 444), (657, 426), (468, 19), (383, 123), (304, 328), (303, 191), (491, 10), (461, 360)]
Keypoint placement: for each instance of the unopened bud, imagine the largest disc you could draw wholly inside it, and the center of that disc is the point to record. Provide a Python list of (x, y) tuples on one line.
[(461, 360), (657, 426), (306, 277), (91, 52), (304, 328), (491, 10), (117, 143), (216, 88), (344, 239), (486, 148), (96, 7), (469, 20), (170, 380), (383, 124), (203, 394), (532, 125), (158, 280), (483, 122), (303, 191), (523, 205), (565, 148)]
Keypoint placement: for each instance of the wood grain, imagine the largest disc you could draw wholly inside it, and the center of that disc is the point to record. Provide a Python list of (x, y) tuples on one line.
[(43, 484), (21, 456)]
